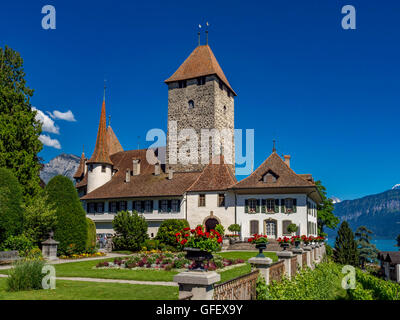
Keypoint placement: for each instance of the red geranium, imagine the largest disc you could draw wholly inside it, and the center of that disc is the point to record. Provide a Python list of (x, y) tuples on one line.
[(283, 240), (258, 239)]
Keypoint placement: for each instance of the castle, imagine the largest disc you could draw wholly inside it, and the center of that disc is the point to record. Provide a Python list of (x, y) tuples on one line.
[(199, 97)]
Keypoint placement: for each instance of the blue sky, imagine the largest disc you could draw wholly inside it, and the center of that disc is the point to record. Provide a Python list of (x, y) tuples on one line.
[(330, 97)]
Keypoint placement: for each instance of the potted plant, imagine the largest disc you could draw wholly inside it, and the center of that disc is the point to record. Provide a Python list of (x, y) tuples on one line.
[(284, 242), (261, 242), (292, 228), (199, 245), (306, 240), (235, 228), (296, 240)]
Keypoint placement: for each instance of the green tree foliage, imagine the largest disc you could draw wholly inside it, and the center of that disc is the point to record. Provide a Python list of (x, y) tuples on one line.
[(40, 218), (367, 250), (220, 228), (325, 215), (346, 251), (130, 231), (168, 229), (91, 234), (11, 211), (234, 228), (71, 227), (19, 131)]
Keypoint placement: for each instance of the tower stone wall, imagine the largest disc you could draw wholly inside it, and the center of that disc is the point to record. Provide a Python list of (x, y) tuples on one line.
[(212, 108)]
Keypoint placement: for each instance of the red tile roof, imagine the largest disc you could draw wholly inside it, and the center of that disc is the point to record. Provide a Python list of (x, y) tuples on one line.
[(112, 142), (81, 168), (286, 177), (146, 184), (201, 62), (215, 176), (100, 153)]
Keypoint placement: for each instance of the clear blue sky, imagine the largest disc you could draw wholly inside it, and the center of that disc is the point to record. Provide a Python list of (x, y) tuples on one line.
[(330, 97)]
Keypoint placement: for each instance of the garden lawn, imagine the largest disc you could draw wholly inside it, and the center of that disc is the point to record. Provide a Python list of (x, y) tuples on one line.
[(77, 290)]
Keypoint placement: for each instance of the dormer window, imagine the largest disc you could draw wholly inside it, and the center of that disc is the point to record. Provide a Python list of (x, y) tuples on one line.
[(191, 104), (269, 177)]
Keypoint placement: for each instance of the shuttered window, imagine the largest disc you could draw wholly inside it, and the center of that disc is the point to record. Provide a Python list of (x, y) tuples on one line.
[(285, 224), (202, 200), (221, 200), (253, 227)]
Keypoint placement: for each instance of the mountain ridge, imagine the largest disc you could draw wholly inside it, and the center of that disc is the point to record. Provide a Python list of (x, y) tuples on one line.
[(64, 164)]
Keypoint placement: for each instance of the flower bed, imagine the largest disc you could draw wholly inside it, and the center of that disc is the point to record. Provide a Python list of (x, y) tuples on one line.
[(83, 255), (165, 261)]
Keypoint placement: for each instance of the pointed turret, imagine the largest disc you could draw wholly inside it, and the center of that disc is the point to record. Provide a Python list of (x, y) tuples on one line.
[(101, 151), (80, 172), (112, 142)]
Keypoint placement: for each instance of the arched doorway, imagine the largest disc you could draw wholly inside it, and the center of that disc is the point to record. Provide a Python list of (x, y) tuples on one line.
[(210, 224), (270, 228)]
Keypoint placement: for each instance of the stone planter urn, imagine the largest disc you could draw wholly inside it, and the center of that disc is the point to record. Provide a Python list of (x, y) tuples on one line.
[(297, 244), (261, 247), (284, 246), (198, 256)]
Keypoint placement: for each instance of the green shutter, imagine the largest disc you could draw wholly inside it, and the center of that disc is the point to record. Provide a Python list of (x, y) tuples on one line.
[(258, 206), (294, 205), (246, 206), (276, 207), (283, 205), (263, 203)]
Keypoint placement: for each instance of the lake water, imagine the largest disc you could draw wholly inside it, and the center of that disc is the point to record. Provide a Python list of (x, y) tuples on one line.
[(381, 244)]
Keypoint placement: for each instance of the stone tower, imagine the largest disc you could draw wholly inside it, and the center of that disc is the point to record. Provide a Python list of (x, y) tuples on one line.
[(199, 97)]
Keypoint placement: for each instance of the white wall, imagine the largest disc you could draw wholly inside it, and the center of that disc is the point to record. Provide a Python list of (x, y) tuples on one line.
[(97, 178), (196, 214), (299, 217)]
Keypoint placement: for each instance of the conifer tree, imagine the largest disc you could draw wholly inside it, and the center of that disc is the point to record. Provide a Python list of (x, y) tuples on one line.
[(346, 251), (367, 250)]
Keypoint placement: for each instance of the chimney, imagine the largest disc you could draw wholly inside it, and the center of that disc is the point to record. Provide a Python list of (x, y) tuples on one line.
[(136, 167), (128, 175), (157, 169), (287, 160), (170, 174)]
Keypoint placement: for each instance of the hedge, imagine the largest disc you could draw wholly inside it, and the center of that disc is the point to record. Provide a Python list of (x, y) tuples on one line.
[(91, 234)]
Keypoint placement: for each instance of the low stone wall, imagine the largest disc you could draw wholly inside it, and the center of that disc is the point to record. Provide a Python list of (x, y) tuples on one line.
[(276, 271), (304, 259), (293, 267)]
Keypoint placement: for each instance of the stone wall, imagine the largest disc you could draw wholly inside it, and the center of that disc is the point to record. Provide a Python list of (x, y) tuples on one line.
[(212, 109)]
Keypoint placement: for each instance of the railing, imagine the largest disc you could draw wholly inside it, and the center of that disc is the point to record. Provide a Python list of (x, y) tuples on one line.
[(304, 259), (293, 267), (276, 271), (240, 288)]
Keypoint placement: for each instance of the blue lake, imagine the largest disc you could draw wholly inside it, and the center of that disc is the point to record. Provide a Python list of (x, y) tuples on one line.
[(381, 244)]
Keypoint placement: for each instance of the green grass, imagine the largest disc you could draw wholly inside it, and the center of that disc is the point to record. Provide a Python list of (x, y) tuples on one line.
[(77, 290), (234, 272), (123, 252)]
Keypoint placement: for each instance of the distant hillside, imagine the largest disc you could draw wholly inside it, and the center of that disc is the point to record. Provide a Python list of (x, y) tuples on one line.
[(64, 164), (379, 212)]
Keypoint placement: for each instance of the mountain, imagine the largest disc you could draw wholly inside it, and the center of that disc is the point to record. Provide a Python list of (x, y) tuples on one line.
[(378, 212), (396, 186), (64, 164), (335, 200)]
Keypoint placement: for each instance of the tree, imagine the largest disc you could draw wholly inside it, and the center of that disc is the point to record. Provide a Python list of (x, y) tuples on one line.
[(325, 215), (71, 227), (19, 130), (367, 250), (91, 237), (11, 211), (130, 231), (40, 219), (346, 251), (168, 229), (234, 228)]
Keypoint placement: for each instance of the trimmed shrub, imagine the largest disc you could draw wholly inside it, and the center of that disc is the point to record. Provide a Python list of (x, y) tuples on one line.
[(130, 231), (91, 234), (168, 229), (151, 244), (234, 228), (26, 275), (71, 226), (11, 212), (20, 243)]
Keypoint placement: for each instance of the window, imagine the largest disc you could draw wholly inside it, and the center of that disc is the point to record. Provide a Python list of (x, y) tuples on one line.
[(191, 104), (175, 205), (201, 81), (253, 227), (202, 200), (148, 206), (221, 200), (270, 177), (91, 207), (122, 206), (90, 168), (253, 205), (163, 206), (270, 205), (285, 225), (113, 207), (96, 207), (103, 168), (182, 84), (137, 205), (100, 207), (289, 205)]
